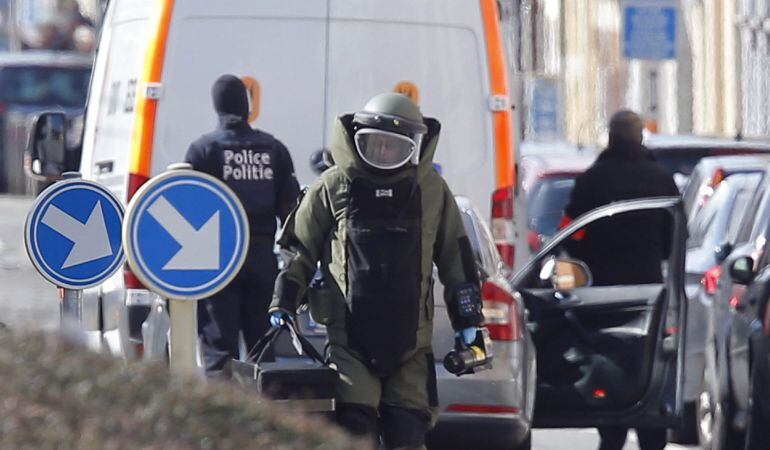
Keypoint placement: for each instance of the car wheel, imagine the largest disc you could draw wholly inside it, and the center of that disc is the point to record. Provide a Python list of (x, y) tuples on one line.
[(757, 436)]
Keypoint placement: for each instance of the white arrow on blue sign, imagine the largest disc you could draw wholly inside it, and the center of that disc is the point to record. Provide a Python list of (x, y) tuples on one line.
[(186, 235), (73, 234)]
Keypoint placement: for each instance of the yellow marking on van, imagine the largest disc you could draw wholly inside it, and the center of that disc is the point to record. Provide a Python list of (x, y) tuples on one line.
[(146, 108), (252, 87), (409, 89), (498, 77)]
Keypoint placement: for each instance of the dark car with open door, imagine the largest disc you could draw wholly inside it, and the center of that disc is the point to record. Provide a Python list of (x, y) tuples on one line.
[(607, 355)]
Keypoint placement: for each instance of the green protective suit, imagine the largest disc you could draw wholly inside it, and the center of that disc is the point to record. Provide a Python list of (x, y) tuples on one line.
[(377, 236)]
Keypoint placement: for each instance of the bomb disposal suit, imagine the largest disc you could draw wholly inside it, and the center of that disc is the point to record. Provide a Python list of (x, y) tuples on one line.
[(259, 169), (377, 221)]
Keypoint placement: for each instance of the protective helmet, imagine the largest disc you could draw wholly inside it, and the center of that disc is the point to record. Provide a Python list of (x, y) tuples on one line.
[(389, 131)]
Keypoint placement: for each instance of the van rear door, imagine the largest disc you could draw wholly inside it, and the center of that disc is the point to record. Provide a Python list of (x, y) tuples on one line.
[(433, 51), (279, 45)]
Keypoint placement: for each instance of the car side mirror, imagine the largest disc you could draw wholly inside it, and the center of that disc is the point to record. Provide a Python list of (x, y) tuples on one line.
[(742, 270), (566, 274), (46, 156), (722, 251)]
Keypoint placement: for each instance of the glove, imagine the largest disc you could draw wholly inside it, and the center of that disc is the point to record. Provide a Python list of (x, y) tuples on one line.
[(279, 317), (468, 335)]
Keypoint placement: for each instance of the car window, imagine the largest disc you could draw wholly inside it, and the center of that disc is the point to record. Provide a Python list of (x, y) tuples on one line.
[(482, 244), (738, 210), (39, 85), (470, 230), (702, 221), (692, 189), (747, 222), (624, 248), (546, 202)]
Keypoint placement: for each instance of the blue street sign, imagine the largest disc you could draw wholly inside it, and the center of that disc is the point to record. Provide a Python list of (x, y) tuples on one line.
[(73, 233), (649, 29), (186, 235)]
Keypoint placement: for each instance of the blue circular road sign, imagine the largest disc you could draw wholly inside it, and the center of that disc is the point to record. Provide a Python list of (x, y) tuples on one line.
[(73, 234), (186, 235)]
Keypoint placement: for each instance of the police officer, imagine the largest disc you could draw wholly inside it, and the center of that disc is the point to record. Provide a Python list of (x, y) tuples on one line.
[(259, 169), (628, 250), (377, 221)]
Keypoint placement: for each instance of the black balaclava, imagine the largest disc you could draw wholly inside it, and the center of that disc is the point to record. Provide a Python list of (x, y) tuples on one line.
[(230, 98)]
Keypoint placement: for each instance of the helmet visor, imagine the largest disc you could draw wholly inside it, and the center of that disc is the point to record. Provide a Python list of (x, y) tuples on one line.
[(383, 149)]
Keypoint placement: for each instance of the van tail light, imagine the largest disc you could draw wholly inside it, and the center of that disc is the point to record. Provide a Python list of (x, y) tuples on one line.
[(501, 313), (135, 181), (710, 280), (502, 224)]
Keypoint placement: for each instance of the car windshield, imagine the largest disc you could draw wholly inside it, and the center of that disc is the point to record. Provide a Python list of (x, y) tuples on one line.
[(546, 202), (46, 86)]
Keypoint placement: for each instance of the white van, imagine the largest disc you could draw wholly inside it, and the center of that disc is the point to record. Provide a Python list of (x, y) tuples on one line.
[(304, 63)]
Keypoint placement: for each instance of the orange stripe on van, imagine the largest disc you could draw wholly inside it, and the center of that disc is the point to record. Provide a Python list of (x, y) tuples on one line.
[(498, 77), (146, 109)]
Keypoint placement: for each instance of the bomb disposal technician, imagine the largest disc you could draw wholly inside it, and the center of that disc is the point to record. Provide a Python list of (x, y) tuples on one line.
[(377, 221), (259, 169)]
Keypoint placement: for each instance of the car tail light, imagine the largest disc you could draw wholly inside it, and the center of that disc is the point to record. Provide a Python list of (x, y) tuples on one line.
[(482, 409), (502, 224), (710, 280), (501, 313), (135, 181)]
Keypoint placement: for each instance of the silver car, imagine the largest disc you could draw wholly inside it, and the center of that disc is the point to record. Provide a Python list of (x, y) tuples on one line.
[(492, 408)]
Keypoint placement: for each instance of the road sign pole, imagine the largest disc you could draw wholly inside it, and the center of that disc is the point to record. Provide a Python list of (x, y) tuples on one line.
[(71, 308), (184, 336), (186, 236)]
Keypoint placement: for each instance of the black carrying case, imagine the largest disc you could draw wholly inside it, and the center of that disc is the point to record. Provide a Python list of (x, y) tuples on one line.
[(302, 384)]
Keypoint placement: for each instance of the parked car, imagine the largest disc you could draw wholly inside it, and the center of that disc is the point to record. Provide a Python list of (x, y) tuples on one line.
[(681, 153), (712, 232), (606, 355), (547, 181), (710, 171), (723, 406), (31, 82)]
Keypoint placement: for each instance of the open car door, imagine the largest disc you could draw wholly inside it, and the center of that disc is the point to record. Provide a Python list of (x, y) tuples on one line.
[(608, 354)]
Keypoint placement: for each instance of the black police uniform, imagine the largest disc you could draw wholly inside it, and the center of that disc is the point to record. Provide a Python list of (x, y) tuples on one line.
[(259, 169)]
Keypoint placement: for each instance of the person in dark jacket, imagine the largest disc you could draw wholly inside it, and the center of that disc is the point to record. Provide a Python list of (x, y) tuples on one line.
[(259, 169), (628, 249)]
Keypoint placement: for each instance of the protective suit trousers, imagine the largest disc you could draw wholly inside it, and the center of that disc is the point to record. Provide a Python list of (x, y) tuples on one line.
[(239, 307), (400, 409)]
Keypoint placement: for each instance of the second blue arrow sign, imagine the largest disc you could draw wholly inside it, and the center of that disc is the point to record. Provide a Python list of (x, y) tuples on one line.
[(185, 234)]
